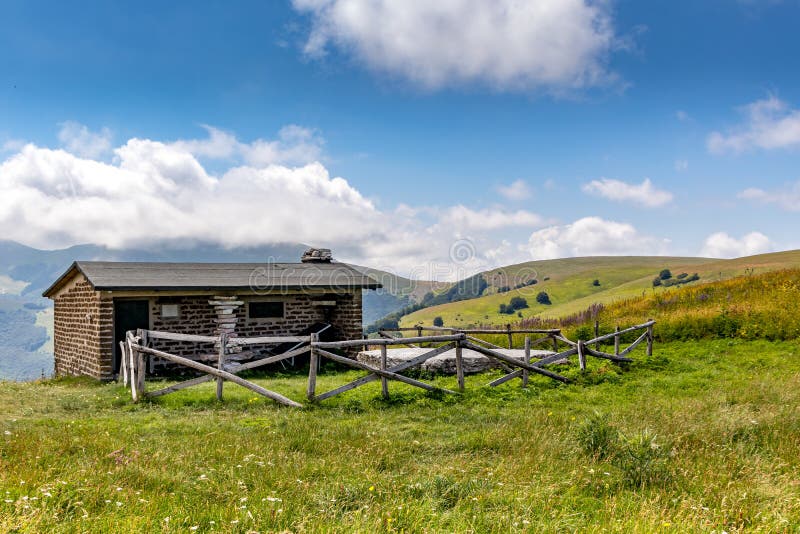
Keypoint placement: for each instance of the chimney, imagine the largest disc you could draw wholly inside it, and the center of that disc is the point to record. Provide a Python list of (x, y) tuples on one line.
[(317, 255)]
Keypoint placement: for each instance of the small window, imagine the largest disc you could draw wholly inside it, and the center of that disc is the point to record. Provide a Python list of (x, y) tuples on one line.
[(266, 310), (170, 311)]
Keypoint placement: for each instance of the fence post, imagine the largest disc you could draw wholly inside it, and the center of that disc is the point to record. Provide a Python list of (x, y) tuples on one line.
[(141, 363), (650, 339), (510, 337), (459, 365), (581, 355), (597, 334), (312, 370), (384, 380), (616, 342), (527, 360), (223, 347), (555, 343)]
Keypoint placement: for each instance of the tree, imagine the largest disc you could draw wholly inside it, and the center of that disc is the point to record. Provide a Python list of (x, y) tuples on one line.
[(438, 321), (518, 303), (665, 274), (596, 282), (543, 298), (503, 308)]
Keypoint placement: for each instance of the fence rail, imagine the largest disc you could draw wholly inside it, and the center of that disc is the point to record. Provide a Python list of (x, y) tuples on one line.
[(136, 350)]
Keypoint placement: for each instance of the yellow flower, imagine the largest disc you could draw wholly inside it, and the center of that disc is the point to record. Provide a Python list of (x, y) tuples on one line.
[(372, 488)]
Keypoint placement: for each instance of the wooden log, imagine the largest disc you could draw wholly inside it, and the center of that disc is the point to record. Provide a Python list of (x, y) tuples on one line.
[(459, 366), (384, 380), (515, 363), (479, 331), (180, 385), (605, 355), (405, 341), (527, 360), (510, 337), (267, 340), (130, 340), (223, 347), (380, 372), (555, 343), (650, 338), (224, 374), (396, 369), (503, 366), (387, 335), (582, 355), (123, 364), (596, 334), (312, 370), (173, 336), (565, 340), (616, 341), (626, 330)]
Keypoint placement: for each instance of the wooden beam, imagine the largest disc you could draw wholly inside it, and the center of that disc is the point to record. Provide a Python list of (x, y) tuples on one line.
[(516, 363), (404, 341), (380, 372), (223, 374)]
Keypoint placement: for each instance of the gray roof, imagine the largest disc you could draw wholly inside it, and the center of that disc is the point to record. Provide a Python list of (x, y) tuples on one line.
[(120, 276)]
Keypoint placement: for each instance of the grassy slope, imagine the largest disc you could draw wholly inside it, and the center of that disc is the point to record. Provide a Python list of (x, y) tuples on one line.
[(77, 456), (570, 285)]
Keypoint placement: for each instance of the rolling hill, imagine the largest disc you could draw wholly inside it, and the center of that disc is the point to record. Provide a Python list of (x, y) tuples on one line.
[(569, 284)]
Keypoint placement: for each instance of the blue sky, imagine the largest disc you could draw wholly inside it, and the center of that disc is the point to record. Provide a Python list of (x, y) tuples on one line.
[(577, 104)]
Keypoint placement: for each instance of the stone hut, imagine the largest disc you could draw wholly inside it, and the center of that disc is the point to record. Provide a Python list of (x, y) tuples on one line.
[(97, 302)]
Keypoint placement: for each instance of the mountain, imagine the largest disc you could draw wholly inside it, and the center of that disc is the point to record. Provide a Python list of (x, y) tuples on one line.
[(26, 317)]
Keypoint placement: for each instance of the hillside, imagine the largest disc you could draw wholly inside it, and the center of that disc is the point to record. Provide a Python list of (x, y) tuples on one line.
[(569, 284)]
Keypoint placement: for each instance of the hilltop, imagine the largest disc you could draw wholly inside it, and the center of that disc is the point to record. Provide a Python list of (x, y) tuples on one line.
[(571, 287)]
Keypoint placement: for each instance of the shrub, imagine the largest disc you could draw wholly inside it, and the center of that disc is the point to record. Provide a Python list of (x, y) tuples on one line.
[(518, 303), (665, 274), (543, 298), (682, 276), (656, 281), (438, 321), (596, 282), (642, 461), (598, 438)]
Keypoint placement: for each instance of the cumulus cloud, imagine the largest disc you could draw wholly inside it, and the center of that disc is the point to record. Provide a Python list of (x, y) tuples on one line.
[(644, 194), (787, 198), (505, 44), (463, 218), (295, 145), (592, 236), (769, 124), (516, 190), (722, 245), (79, 140), (153, 192)]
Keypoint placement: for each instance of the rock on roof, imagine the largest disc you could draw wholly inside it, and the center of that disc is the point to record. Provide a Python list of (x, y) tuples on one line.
[(120, 276)]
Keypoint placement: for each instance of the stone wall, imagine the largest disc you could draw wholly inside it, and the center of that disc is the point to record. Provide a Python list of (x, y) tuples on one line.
[(83, 332)]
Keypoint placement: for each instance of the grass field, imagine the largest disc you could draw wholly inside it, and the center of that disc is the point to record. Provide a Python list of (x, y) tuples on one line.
[(570, 284), (704, 436)]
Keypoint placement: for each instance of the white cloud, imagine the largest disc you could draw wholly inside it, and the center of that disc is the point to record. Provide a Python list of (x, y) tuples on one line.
[(516, 190), (769, 124), (505, 44), (11, 145), (79, 140), (591, 236), (295, 145), (681, 165), (153, 192), (787, 199), (644, 194), (682, 116), (722, 245), (463, 218)]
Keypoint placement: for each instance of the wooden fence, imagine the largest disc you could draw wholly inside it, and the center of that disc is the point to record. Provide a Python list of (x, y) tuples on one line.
[(136, 349)]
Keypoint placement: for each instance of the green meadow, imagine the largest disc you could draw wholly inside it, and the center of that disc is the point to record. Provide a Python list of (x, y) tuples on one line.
[(704, 436)]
